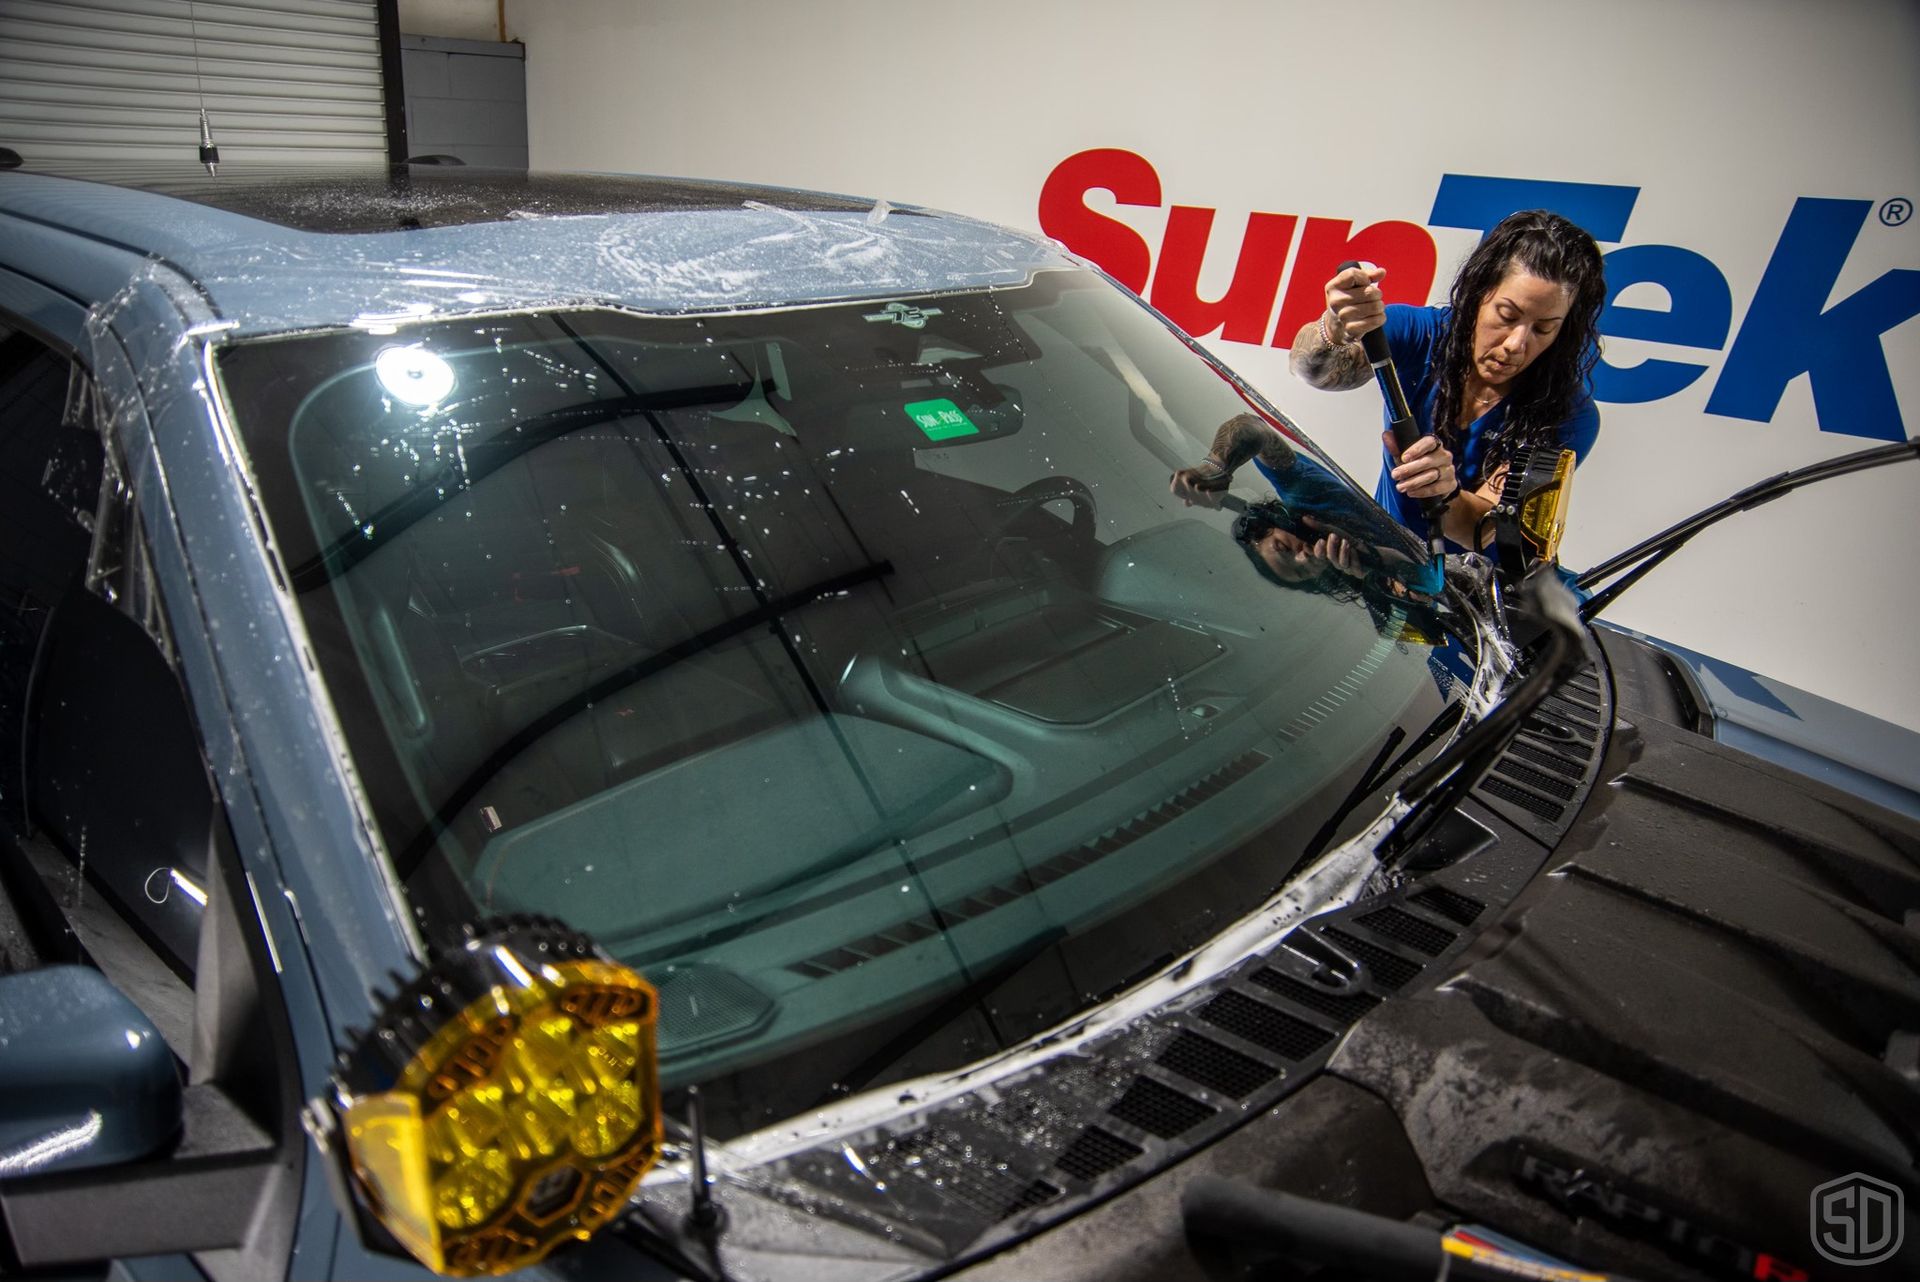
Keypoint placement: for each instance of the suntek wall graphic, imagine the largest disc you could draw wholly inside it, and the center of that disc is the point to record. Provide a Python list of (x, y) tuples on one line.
[(1749, 166), (1794, 324)]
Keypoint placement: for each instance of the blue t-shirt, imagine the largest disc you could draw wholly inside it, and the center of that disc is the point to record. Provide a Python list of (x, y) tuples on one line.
[(1413, 338)]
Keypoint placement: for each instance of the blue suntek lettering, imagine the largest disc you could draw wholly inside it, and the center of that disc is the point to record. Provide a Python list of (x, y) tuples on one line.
[(1787, 333), (1789, 329), (1699, 314), (1477, 202)]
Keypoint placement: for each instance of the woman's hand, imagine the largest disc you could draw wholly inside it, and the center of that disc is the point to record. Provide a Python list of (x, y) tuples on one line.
[(1340, 554), (1201, 485), (1344, 553), (1354, 304), (1426, 470)]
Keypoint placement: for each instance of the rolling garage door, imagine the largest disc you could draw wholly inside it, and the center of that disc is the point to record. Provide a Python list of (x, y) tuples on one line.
[(283, 81)]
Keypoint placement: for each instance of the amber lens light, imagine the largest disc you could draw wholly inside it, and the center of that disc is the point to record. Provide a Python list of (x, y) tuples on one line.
[(1543, 510), (525, 1121)]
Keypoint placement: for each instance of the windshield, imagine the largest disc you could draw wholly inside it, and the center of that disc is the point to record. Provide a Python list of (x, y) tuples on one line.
[(850, 670)]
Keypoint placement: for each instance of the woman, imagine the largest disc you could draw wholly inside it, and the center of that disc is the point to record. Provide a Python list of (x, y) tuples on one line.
[(1513, 378)]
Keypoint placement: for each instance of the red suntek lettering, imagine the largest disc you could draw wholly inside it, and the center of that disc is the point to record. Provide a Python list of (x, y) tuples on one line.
[(1241, 313), (1405, 249), (1108, 241)]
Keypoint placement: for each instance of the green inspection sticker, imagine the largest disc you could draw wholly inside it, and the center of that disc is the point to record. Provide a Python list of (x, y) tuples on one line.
[(941, 420)]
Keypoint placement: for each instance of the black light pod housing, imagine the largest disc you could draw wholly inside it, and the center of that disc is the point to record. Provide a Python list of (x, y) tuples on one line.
[(1531, 516)]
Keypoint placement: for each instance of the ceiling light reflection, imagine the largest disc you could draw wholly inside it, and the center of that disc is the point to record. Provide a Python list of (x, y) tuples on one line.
[(414, 375)]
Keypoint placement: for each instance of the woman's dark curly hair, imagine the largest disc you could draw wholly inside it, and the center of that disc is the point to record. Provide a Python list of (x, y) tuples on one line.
[(1547, 391), (1259, 517)]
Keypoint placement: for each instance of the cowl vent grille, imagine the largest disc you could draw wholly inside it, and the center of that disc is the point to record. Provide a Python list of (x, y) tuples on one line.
[(1538, 780), (1160, 1110), (1389, 970), (1344, 1007), (1218, 1068), (1037, 1193), (1531, 802), (1543, 773), (1403, 927), (1095, 1153), (1451, 904), (1265, 1026), (1553, 761)]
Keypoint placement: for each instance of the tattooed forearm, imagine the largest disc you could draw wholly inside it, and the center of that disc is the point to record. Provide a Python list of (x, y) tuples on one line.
[(1240, 438), (1246, 435), (1339, 368)]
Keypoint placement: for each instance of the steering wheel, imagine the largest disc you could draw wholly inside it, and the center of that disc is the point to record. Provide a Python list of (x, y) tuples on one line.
[(1046, 490), (1021, 522)]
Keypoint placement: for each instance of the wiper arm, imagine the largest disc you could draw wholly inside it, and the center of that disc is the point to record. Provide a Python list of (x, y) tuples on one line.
[(1444, 782), (1644, 556)]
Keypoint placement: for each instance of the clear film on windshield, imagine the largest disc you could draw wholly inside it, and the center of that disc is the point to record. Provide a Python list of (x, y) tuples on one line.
[(850, 670)]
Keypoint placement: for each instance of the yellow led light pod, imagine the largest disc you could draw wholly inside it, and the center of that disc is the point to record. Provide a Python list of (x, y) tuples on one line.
[(1531, 516), (1543, 508), (507, 1102)]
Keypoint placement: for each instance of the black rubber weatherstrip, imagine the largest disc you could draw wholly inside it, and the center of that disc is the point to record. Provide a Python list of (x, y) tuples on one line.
[(393, 80)]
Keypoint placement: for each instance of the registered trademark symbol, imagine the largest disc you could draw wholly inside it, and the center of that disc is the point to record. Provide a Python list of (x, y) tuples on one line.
[(1896, 211)]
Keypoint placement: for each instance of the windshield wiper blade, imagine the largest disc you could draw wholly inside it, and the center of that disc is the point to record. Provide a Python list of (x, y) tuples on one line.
[(1444, 782), (1648, 553), (1384, 766)]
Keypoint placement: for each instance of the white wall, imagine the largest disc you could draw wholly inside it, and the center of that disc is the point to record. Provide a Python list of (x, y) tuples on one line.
[(454, 19), (1723, 114)]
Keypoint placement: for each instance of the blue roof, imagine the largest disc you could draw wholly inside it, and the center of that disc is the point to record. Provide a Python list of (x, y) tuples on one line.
[(644, 244)]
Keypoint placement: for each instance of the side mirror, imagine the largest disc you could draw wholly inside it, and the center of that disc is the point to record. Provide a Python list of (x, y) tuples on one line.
[(85, 1078)]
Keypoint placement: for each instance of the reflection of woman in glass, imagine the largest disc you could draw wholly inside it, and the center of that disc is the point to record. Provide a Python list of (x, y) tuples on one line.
[(1299, 550), (1287, 554), (1296, 551), (1319, 524), (1296, 478)]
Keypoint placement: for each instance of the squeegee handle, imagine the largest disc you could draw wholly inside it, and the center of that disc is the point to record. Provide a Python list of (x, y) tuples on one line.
[(1405, 430)]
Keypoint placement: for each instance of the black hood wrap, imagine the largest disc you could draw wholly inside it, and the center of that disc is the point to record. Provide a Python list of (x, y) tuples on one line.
[(1661, 992)]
